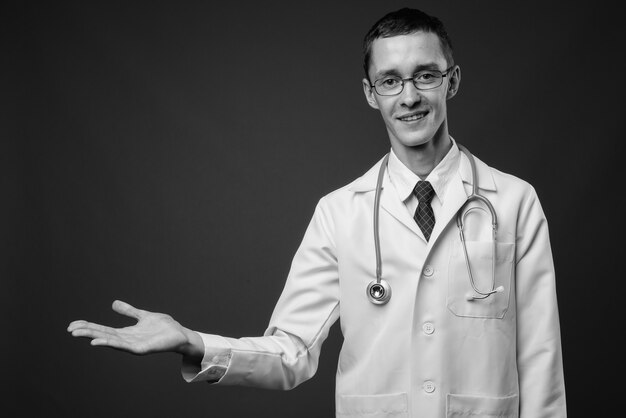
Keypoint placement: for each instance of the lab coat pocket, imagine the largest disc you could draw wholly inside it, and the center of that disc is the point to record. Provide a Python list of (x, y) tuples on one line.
[(463, 406), (480, 254), (393, 405)]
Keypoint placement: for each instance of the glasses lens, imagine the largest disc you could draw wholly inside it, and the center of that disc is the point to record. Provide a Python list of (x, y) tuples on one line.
[(426, 80), (388, 86)]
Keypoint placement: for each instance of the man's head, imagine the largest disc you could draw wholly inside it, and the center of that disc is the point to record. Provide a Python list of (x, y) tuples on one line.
[(405, 22), (410, 74)]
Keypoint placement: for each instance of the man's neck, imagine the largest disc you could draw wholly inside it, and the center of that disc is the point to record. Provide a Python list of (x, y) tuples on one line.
[(422, 159)]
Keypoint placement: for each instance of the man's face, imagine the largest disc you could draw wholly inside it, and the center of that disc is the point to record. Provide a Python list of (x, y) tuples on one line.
[(413, 117)]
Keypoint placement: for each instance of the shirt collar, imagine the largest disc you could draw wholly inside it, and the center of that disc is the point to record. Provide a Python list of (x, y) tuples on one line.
[(404, 180)]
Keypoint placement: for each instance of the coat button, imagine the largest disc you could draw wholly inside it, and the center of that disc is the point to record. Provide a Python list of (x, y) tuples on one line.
[(428, 271), (429, 387), (428, 328)]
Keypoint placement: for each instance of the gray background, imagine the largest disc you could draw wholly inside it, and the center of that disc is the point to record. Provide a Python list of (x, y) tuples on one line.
[(171, 154)]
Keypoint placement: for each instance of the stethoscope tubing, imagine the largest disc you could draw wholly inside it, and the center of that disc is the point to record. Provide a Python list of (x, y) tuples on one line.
[(379, 290), (379, 184)]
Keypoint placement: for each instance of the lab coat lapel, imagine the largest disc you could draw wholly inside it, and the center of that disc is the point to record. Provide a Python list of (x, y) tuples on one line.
[(455, 197), (390, 202), (459, 188)]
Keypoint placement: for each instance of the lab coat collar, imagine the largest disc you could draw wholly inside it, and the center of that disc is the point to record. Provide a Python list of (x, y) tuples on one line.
[(483, 171), (367, 182), (456, 194)]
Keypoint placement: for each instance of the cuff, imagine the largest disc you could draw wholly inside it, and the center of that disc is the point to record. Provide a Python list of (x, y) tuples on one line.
[(217, 353)]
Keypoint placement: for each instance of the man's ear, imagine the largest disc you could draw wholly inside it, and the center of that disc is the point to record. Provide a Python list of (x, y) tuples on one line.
[(368, 90), (454, 81)]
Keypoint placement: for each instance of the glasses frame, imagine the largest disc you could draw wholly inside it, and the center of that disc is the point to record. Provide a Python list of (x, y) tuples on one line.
[(412, 79)]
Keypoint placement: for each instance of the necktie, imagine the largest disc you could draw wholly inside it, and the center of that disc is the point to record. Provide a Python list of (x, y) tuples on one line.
[(424, 215)]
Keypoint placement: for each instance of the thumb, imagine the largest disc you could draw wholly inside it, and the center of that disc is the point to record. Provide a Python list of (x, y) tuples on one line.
[(127, 309)]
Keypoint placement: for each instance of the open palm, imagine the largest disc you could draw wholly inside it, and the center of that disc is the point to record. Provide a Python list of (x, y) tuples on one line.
[(153, 332)]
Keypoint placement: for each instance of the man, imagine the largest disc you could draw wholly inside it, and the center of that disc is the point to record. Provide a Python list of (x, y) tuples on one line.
[(472, 326)]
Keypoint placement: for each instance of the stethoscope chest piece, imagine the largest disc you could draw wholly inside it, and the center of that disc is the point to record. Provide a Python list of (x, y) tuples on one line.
[(379, 292)]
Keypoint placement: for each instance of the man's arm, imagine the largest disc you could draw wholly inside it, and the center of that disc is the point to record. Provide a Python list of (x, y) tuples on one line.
[(288, 353), (284, 357), (539, 358)]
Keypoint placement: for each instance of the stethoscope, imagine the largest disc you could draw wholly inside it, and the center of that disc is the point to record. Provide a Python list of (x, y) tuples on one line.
[(379, 290)]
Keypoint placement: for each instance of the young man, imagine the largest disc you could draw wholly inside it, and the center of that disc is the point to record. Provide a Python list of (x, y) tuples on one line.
[(471, 328)]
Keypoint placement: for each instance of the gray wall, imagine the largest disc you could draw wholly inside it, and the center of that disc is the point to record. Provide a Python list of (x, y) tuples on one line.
[(171, 156)]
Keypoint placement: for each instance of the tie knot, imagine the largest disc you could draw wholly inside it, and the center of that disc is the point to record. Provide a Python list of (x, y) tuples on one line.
[(424, 191)]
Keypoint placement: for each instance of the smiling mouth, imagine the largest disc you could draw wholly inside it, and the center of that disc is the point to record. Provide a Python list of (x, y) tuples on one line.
[(413, 117)]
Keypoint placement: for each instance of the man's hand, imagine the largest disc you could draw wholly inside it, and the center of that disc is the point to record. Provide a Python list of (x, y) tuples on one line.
[(153, 333)]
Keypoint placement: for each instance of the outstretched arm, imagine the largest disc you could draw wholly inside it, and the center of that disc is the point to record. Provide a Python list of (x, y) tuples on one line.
[(153, 333), (285, 356)]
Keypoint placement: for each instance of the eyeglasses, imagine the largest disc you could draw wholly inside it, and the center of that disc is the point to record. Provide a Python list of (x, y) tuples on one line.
[(392, 85)]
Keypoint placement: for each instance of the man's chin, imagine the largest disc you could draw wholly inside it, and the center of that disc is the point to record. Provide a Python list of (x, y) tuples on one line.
[(411, 139), (418, 142)]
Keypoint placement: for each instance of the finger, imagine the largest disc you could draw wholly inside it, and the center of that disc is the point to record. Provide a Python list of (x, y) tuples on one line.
[(116, 344), (91, 326), (78, 324), (75, 324), (99, 338), (91, 333), (127, 309)]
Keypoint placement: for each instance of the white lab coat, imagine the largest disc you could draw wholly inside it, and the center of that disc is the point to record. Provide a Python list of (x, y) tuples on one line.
[(429, 352)]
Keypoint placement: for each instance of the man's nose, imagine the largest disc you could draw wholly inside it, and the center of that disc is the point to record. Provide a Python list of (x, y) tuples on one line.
[(410, 94)]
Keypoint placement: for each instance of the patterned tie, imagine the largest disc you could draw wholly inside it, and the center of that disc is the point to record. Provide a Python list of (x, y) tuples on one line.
[(424, 215)]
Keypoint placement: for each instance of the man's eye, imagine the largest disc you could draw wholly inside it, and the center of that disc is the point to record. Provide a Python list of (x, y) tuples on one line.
[(390, 82), (426, 77)]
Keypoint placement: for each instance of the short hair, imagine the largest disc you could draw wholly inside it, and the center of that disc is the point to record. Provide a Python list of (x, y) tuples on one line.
[(405, 22)]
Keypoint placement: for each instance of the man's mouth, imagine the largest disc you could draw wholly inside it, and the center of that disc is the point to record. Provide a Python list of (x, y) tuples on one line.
[(410, 117)]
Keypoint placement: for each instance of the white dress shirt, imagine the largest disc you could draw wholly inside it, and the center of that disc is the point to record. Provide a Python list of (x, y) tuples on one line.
[(404, 180)]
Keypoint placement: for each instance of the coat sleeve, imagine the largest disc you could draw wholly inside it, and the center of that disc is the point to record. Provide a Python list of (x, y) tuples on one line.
[(288, 352), (539, 358)]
